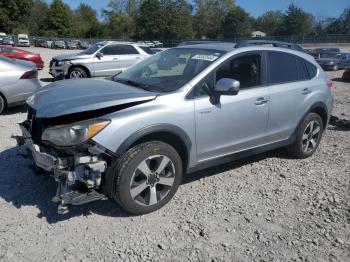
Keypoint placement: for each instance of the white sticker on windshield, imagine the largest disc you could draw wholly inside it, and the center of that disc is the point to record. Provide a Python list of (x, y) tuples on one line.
[(210, 58)]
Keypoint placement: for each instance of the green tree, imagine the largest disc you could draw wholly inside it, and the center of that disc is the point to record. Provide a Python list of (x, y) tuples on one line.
[(340, 25), (121, 26), (13, 14), (236, 23), (209, 15), (270, 23), (59, 19), (297, 21), (149, 21), (37, 18), (85, 22)]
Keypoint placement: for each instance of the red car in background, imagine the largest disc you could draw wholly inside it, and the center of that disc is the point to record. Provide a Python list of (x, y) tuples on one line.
[(17, 53)]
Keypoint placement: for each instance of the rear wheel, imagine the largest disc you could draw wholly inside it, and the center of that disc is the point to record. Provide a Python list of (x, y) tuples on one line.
[(77, 72), (308, 138), (2, 104), (147, 178)]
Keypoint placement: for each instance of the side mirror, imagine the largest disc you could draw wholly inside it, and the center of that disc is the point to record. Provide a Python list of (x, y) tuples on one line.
[(227, 86), (99, 55)]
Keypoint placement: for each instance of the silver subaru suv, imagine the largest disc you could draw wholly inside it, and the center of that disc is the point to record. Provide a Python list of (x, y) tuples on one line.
[(132, 138)]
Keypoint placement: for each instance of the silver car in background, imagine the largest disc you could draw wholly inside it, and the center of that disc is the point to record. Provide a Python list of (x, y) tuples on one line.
[(19, 80), (100, 60)]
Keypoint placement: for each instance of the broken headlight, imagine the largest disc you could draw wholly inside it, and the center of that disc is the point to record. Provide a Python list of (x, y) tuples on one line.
[(74, 134)]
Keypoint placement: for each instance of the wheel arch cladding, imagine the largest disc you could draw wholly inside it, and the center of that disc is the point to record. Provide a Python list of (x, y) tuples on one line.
[(172, 135), (4, 98), (80, 66), (320, 109)]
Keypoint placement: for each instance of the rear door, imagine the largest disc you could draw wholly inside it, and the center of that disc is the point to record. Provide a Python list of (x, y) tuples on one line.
[(290, 88), (116, 57)]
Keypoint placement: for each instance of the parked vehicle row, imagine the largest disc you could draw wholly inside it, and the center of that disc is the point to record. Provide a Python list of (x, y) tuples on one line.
[(60, 44), (151, 44), (22, 40), (334, 61), (133, 136)]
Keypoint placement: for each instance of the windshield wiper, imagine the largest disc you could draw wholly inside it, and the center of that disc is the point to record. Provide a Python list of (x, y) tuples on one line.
[(130, 82)]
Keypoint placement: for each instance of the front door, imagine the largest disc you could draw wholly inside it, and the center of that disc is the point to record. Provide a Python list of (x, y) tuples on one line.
[(235, 123), (116, 58)]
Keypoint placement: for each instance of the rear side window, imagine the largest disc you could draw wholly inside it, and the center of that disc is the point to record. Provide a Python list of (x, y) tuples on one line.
[(311, 69), (302, 70), (146, 49), (119, 50), (282, 68)]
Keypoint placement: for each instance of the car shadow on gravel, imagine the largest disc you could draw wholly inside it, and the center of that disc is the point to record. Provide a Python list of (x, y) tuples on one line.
[(15, 110), (279, 153), (21, 186)]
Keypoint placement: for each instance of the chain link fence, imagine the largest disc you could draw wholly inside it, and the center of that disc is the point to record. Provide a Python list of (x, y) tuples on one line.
[(300, 39)]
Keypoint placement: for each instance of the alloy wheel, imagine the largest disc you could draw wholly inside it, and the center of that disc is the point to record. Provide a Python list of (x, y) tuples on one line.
[(152, 180), (76, 75), (311, 136)]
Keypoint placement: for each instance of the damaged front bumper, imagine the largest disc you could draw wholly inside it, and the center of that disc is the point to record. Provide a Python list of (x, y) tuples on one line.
[(78, 175)]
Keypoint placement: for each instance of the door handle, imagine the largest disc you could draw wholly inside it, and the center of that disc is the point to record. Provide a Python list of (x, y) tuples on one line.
[(115, 59), (261, 101), (306, 91)]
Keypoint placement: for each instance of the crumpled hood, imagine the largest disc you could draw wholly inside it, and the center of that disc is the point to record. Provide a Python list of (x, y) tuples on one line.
[(70, 57), (74, 96)]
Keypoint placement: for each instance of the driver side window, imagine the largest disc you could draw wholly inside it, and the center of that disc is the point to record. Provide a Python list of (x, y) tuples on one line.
[(246, 69)]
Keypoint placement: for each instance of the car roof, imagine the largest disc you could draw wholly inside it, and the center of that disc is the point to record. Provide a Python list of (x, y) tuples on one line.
[(219, 46)]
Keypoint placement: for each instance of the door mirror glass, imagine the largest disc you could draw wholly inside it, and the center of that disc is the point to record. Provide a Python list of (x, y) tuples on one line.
[(227, 86), (99, 55)]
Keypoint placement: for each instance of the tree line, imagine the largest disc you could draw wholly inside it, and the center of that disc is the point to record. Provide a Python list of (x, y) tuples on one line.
[(161, 19)]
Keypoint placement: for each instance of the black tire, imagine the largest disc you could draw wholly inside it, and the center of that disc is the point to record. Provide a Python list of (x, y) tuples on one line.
[(297, 149), (128, 167), (2, 104), (78, 71)]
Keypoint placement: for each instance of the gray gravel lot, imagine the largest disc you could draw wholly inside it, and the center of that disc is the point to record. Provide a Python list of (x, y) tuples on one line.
[(264, 208)]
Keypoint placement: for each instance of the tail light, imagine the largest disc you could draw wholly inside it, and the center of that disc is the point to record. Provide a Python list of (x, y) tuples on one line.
[(330, 84), (30, 75)]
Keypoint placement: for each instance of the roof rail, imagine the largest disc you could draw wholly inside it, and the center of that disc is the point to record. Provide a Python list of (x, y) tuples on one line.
[(270, 42)]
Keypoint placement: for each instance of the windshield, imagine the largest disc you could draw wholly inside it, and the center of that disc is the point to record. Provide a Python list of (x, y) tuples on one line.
[(331, 55), (169, 70), (92, 49)]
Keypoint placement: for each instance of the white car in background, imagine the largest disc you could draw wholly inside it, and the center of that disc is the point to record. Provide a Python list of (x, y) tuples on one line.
[(23, 40), (2, 36), (102, 59)]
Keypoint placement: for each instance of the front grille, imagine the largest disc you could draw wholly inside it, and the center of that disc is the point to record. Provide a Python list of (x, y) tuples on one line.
[(36, 126), (52, 62)]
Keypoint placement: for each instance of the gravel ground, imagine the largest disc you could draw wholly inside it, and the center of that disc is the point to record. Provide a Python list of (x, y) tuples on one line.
[(264, 208)]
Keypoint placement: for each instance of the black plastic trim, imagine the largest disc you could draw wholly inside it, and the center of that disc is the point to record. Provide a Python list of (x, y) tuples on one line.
[(155, 129)]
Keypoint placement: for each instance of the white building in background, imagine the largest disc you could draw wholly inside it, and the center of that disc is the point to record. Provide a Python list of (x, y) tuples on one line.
[(258, 34)]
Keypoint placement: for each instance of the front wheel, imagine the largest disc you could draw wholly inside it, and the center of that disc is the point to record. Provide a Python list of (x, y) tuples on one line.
[(77, 73), (2, 104), (147, 177), (308, 137)]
